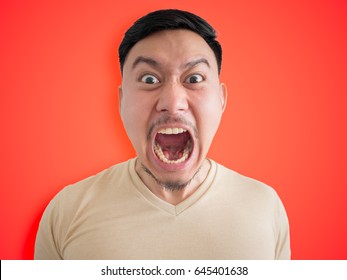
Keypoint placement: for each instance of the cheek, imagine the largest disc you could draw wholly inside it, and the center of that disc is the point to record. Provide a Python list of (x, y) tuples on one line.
[(134, 113), (210, 113)]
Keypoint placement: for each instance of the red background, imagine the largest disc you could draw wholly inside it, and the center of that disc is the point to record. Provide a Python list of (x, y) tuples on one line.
[(285, 122)]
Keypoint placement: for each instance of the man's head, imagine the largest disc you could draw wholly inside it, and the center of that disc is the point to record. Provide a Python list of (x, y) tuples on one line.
[(171, 99), (169, 20)]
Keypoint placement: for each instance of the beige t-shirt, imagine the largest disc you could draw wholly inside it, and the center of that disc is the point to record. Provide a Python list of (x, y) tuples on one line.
[(113, 215)]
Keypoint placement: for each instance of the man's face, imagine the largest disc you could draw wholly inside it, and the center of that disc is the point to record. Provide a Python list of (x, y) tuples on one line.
[(171, 103)]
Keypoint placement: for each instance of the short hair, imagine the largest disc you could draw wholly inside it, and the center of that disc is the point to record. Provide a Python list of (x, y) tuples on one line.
[(169, 19)]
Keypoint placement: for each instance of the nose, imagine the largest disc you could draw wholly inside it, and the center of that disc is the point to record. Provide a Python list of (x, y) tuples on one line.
[(172, 98)]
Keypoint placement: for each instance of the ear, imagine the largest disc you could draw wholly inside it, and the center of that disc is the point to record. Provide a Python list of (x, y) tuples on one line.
[(223, 95), (120, 97)]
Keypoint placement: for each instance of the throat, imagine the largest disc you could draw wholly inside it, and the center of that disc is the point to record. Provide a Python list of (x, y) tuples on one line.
[(173, 148), (172, 154), (172, 191)]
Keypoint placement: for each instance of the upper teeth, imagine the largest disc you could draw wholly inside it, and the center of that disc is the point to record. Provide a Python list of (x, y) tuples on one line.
[(175, 130)]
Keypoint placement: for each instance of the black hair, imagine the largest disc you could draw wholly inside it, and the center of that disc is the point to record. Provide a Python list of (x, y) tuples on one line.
[(169, 20)]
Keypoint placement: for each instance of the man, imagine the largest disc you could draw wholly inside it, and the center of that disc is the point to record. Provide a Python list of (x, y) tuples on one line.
[(170, 202)]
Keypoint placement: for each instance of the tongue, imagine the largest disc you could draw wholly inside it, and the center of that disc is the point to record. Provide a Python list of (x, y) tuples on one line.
[(172, 145)]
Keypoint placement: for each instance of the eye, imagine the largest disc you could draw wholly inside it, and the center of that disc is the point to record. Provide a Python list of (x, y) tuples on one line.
[(149, 79), (195, 78)]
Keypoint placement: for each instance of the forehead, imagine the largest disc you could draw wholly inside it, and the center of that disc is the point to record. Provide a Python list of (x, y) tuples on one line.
[(171, 48)]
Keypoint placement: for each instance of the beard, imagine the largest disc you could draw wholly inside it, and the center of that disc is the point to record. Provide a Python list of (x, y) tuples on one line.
[(169, 185)]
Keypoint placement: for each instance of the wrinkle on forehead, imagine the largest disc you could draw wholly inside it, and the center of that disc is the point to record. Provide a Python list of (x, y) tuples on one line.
[(156, 64), (174, 49)]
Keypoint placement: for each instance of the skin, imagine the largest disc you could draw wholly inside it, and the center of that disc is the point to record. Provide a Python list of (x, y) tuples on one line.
[(170, 79)]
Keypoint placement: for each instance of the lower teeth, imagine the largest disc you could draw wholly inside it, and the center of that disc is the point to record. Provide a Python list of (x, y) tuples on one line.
[(162, 157)]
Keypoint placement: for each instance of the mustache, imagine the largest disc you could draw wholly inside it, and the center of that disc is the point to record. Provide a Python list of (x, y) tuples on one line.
[(171, 120)]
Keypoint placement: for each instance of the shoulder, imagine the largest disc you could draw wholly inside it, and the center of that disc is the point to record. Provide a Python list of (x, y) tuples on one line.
[(244, 188), (255, 199), (95, 188), (75, 203), (238, 180), (105, 179)]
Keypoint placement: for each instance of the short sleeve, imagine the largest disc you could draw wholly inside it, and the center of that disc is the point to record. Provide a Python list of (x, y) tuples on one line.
[(283, 237), (46, 246)]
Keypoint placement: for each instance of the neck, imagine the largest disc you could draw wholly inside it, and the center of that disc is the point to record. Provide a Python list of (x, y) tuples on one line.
[(176, 196)]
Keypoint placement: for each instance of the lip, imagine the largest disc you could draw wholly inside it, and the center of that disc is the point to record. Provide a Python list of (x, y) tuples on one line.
[(172, 167)]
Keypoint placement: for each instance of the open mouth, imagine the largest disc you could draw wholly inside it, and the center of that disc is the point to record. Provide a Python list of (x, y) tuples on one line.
[(173, 145)]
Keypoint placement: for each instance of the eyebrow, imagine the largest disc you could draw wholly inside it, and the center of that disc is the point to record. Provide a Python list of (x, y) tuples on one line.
[(156, 64), (147, 60), (192, 63)]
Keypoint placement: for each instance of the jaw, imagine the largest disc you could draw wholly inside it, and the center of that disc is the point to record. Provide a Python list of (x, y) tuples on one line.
[(174, 191), (172, 150), (173, 181), (180, 168)]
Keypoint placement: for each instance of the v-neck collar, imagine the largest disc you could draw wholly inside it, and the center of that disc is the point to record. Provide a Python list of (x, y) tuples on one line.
[(163, 205)]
